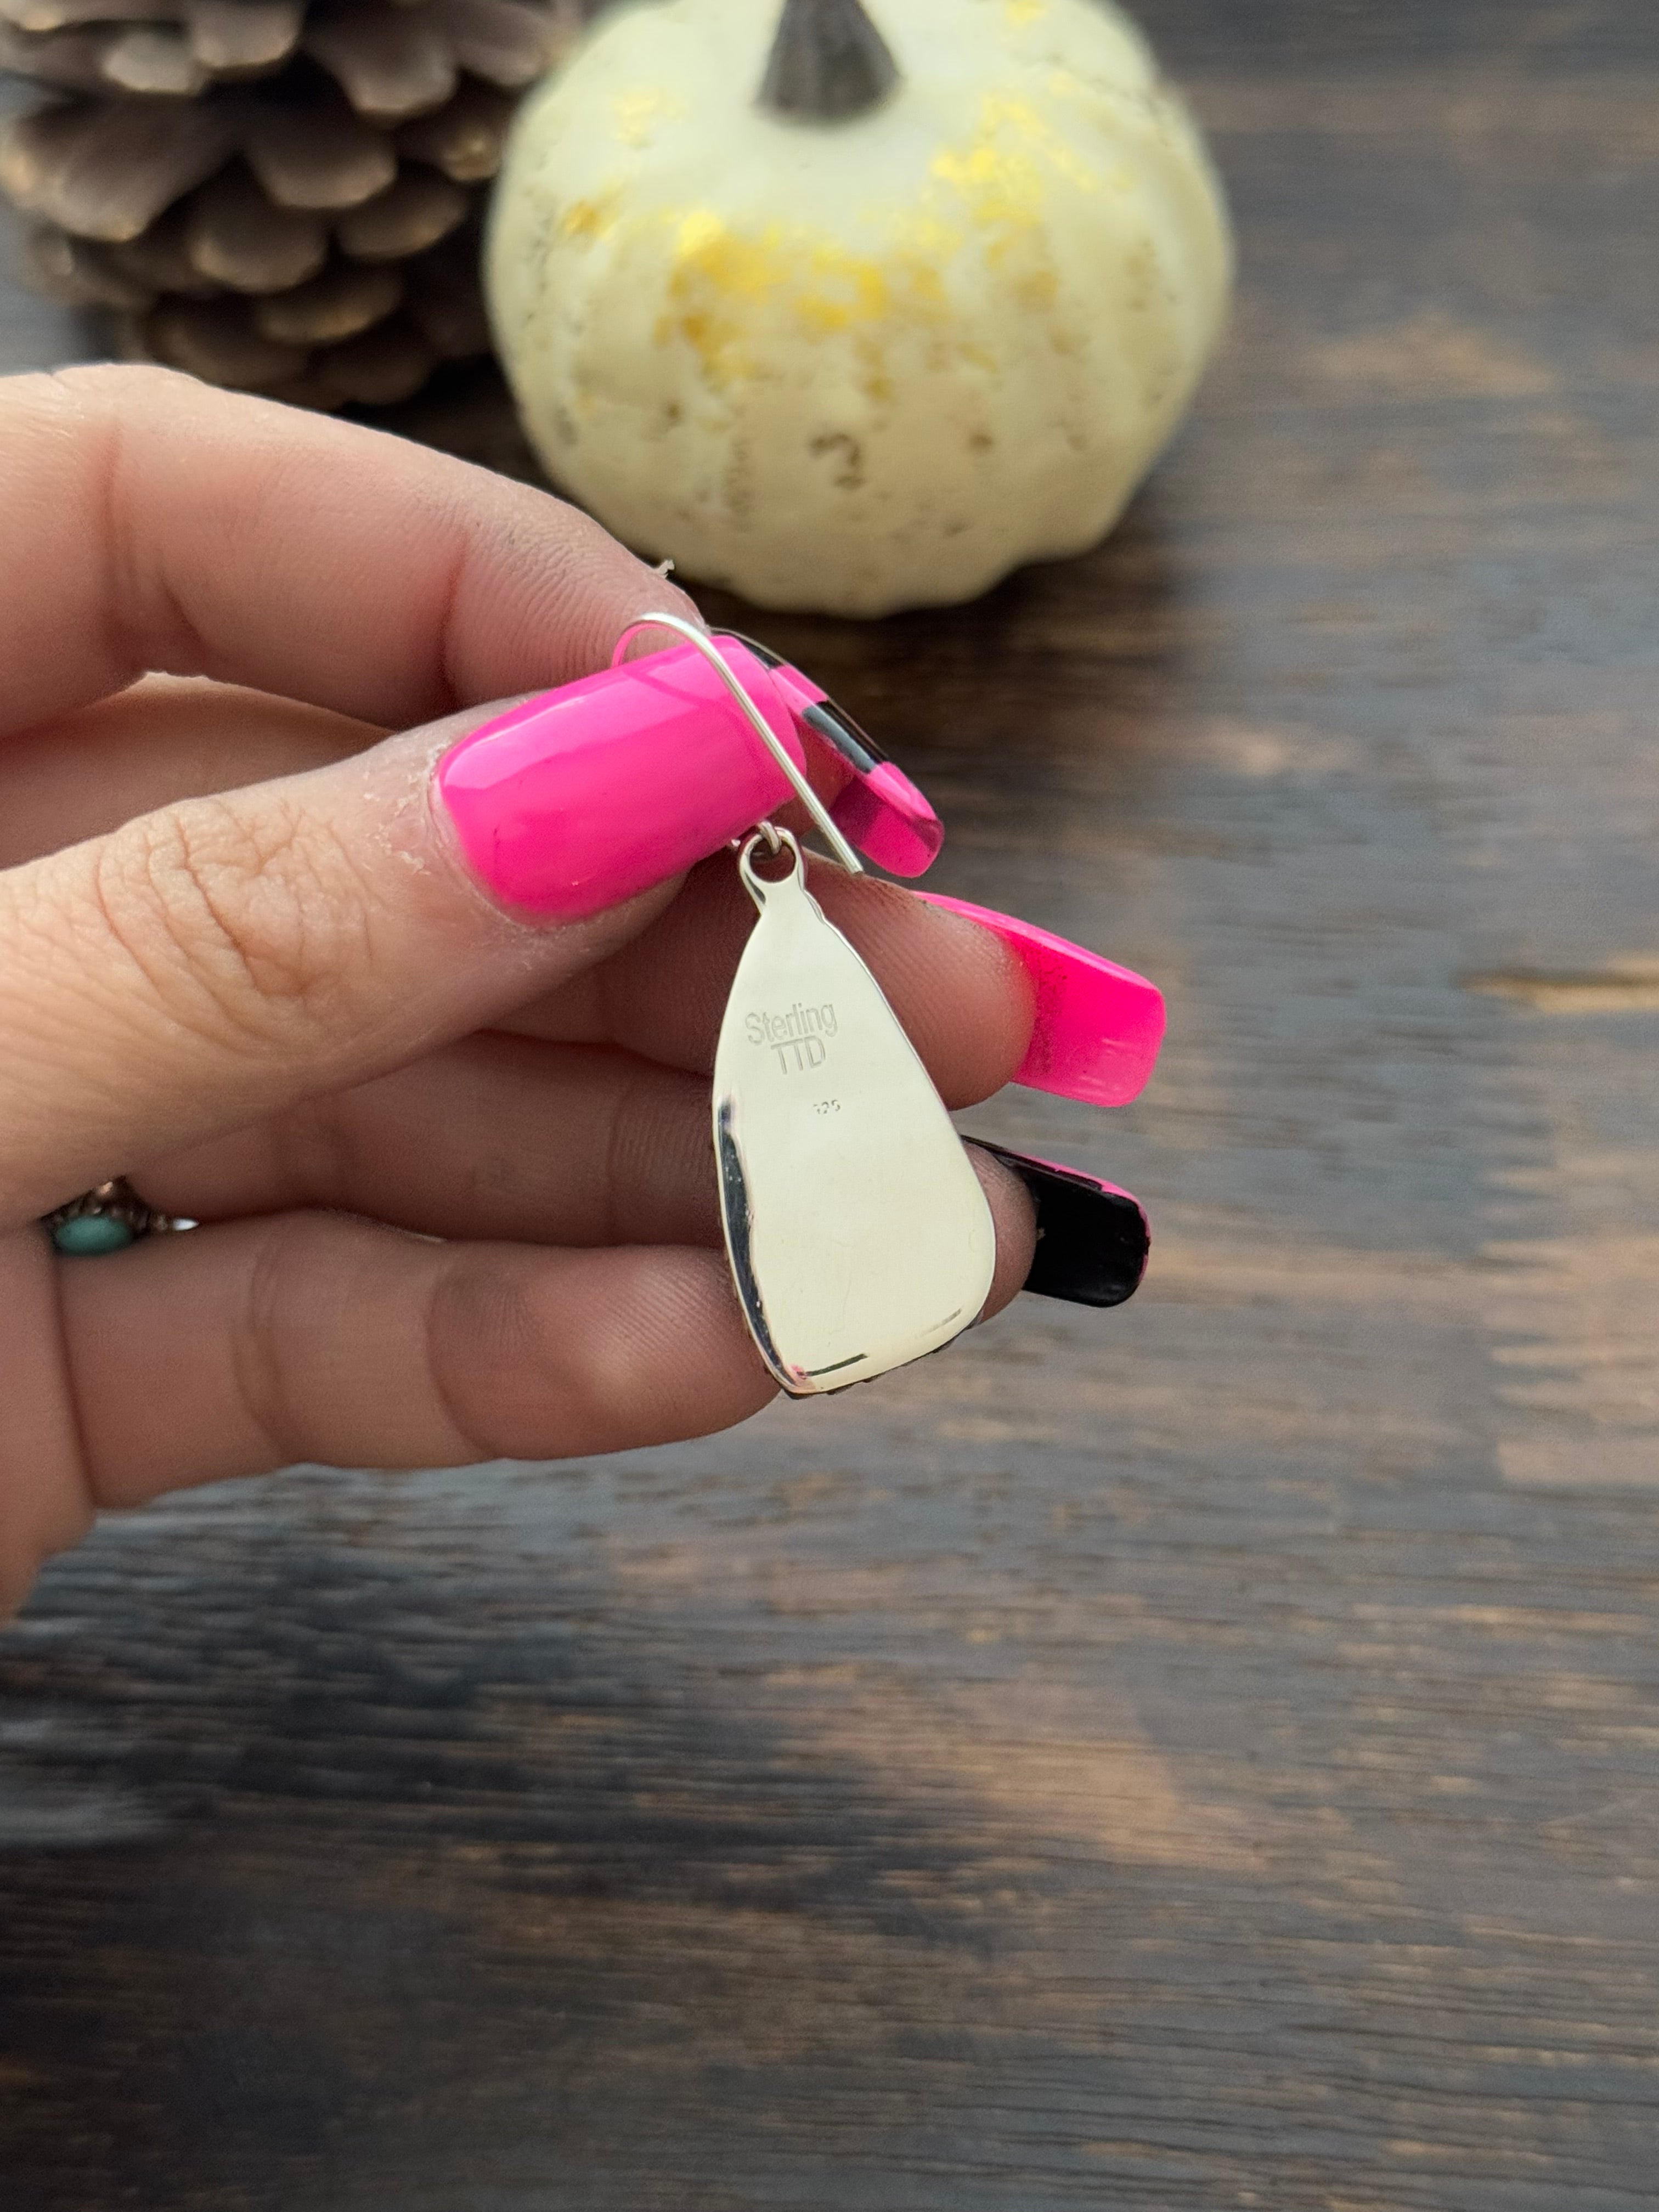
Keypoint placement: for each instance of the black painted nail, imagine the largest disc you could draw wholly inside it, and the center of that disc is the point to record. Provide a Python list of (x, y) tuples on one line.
[(1092, 1238)]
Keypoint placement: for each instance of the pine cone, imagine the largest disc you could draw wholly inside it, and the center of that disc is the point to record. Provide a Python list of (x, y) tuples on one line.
[(277, 197)]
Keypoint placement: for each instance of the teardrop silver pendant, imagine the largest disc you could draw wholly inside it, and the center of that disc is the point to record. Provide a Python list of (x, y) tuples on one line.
[(858, 1234)]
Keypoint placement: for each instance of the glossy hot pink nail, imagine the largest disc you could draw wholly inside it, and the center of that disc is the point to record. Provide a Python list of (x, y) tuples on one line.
[(885, 814), (589, 794), (1098, 1026)]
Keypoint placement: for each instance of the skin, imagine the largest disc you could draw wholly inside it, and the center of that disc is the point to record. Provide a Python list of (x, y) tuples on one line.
[(452, 1164)]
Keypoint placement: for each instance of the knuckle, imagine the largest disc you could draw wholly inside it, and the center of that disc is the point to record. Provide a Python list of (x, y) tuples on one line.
[(279, 1285), (245, 925), (492, 1365)]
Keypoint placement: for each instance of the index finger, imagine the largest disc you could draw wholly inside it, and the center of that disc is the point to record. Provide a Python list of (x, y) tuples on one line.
[(154, 523)]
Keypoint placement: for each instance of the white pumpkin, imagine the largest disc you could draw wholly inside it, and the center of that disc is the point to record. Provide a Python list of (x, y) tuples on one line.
[(862, 363)]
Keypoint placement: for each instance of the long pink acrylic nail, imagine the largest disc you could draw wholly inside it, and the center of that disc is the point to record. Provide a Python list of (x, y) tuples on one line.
[(589, 794), (1098, 1026)]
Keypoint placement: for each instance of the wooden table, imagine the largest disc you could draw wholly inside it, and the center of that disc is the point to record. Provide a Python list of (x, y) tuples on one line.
[(1201, 1756)]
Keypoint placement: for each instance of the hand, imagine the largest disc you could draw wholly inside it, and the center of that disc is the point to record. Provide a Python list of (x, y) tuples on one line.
[(453, 1162)]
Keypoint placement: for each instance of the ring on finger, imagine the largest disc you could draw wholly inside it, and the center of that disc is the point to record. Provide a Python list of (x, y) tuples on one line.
[(107, 1218)]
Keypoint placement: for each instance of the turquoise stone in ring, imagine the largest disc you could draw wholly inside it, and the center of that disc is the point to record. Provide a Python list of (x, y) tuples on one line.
[(106, 1218), (89, 1234)]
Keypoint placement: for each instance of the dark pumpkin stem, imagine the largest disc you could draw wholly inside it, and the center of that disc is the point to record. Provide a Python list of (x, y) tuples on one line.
[(829, 61)]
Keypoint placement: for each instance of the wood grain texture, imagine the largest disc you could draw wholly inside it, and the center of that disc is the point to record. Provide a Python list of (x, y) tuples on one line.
[(1200, 1756)]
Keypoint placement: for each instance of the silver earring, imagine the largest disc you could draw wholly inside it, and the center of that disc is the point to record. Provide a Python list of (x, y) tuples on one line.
[(858, 1234)]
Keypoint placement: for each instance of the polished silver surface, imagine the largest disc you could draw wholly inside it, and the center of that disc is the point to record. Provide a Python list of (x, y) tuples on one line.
[(858, 1233)]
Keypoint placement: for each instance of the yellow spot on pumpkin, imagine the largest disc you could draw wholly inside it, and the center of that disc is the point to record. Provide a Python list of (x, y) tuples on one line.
[(929, 242), (637, 114), (725, 286), (998, 188), (585, 220), (1019, 13), (1002, 172), (708, 251), (847, 290)]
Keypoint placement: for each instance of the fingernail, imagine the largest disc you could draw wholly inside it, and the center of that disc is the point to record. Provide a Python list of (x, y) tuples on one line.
[(585, 796), (1092, 1238), (1098, 1026), (887, 816)]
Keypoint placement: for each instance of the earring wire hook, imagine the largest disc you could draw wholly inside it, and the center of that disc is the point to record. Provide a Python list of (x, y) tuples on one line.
[(768, 737)]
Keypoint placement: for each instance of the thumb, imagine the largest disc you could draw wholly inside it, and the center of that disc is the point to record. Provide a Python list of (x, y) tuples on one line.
[(223, 958)]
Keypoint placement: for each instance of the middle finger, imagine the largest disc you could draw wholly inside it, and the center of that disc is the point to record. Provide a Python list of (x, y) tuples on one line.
[(496, 1137), (962, 997)]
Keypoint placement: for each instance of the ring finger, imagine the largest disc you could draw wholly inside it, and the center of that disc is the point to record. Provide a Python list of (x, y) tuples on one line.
[(501, 1137), (496, 1137)]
